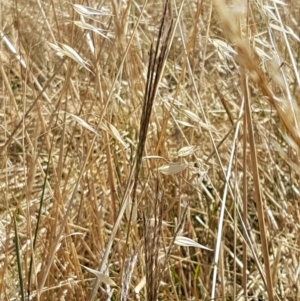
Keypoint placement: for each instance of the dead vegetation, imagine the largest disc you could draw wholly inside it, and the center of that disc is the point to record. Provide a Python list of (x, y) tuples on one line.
[(149, 150)]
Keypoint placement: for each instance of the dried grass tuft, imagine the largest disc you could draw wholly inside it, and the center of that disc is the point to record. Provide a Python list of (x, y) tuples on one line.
[(124, 164)]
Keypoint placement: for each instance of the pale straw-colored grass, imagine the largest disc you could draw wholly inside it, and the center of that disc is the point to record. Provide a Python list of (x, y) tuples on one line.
[(198, 202)]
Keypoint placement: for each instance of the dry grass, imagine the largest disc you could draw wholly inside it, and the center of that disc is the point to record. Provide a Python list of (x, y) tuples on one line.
[(99, 202)]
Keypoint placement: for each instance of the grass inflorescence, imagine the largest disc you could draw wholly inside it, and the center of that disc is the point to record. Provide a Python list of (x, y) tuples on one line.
[(149, 150)]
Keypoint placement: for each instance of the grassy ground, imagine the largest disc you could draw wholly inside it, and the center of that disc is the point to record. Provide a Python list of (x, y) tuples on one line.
[(149, 175)]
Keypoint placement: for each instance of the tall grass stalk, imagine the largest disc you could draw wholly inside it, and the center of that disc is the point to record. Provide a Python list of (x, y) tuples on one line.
[(149, 150)]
